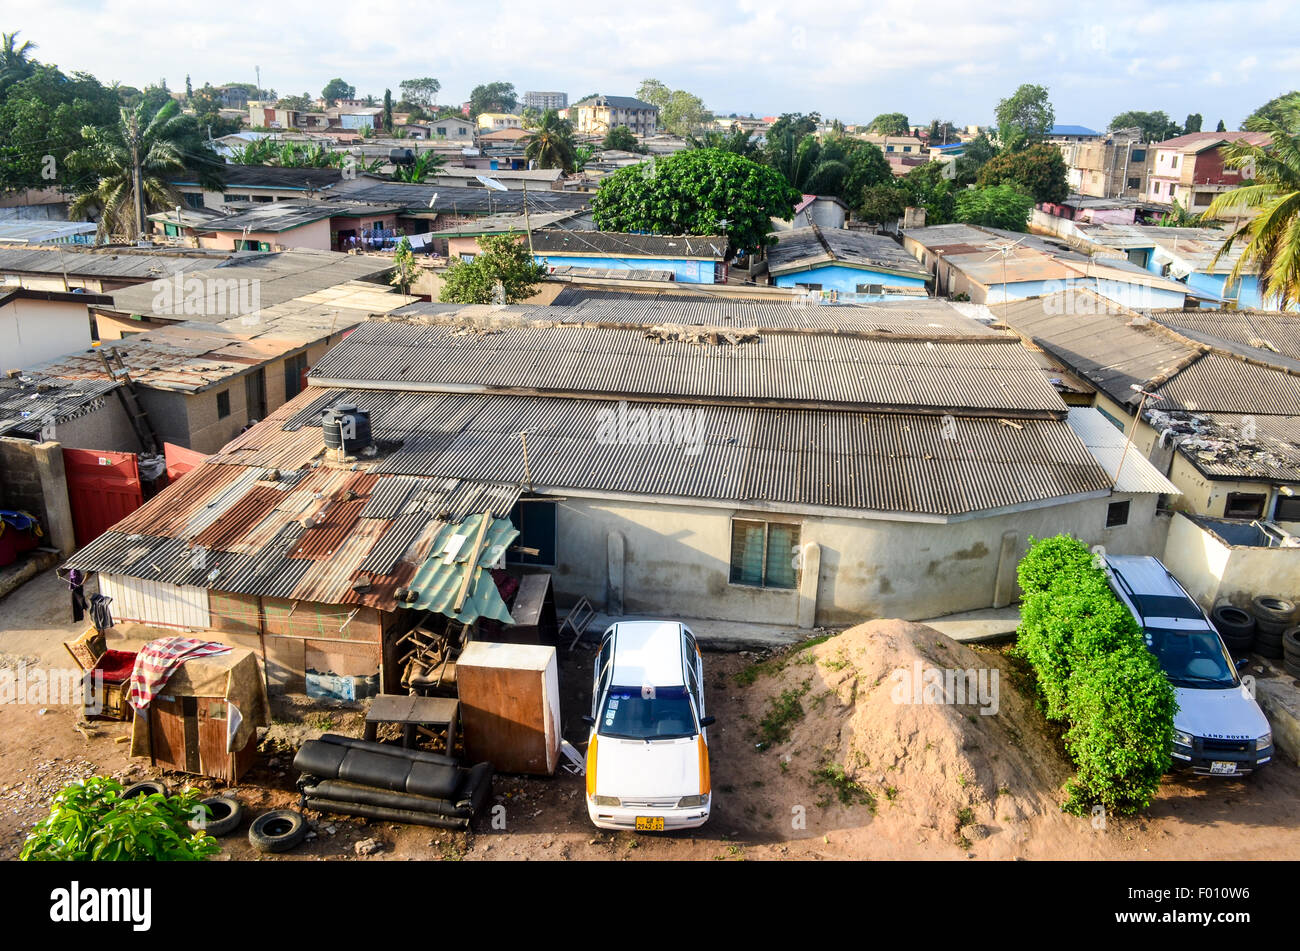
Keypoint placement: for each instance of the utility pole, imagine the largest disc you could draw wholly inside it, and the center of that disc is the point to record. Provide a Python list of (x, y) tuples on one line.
[(1137, 421), (527, 226), (136, 184)]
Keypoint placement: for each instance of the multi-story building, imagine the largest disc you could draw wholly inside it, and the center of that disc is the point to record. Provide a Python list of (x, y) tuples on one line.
[(495, 121), (599, 114), (1115, 166), (1189, 169), (542, 101)]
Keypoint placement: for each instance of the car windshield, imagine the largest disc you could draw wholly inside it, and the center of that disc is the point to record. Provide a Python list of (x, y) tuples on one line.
[(1191, 658), (647, 713)]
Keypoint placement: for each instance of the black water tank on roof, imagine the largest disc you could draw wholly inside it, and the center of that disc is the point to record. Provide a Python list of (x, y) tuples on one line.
[(401, 157), (346, 427)]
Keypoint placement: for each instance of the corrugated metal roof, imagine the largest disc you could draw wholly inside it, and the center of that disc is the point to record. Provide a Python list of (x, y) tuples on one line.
[(1100, 341), (802, 248), (30, 402), (1269, 333), (875, 462), (121, 263), (989, 374), (454, 200), (1107, 442), (606, 243)]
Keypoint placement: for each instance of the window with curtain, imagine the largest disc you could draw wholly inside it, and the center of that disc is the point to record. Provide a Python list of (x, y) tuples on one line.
[(763, 553)]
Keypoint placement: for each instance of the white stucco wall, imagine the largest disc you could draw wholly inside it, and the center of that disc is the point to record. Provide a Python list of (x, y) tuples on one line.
[(676, 558)]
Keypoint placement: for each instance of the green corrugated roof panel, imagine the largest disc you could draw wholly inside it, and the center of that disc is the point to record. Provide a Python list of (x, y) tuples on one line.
[(437, 580)]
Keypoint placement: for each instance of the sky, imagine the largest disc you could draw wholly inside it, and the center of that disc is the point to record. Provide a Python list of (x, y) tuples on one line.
[(926, 58)]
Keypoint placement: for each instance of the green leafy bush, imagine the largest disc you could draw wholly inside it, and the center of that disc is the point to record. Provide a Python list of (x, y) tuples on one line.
[(90, 821), (1096, 674)]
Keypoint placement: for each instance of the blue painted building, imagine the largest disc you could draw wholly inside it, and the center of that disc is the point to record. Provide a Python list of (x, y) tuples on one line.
[(690, 259), (856, 264)]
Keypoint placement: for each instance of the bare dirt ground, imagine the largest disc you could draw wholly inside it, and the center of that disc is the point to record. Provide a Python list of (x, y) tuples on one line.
[(870, 778)]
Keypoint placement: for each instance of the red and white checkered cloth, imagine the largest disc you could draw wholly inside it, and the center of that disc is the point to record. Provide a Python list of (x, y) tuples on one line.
[(158, 660)]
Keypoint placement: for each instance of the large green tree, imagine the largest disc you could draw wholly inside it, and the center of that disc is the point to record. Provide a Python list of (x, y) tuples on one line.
[(503, 272), (1274, 110), (697, 191), (926, 186), (42, 116), (551, 144), (1271, 240), (623, 139), (337, 89), (1000, 206), (423, 91), (890, 123), (493, 97), (163, 143), (1025, 116), (1155, 126), (680, 112), (1038, 170)]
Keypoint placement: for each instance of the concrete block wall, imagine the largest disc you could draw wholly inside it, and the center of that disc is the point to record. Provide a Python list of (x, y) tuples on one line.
[(34, 481)]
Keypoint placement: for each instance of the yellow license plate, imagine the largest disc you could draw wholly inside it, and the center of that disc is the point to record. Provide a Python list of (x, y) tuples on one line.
[(649, 823)]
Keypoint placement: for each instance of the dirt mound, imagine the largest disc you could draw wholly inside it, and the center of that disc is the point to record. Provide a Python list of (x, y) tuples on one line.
[(895, 727)]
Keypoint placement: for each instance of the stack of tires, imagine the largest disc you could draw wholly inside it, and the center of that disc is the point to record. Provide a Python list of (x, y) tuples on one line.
[(1273, 616), (1237, 628), (1291, 651)]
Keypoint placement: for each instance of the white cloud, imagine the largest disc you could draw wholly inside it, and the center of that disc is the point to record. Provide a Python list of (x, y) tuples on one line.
[(849, 59)]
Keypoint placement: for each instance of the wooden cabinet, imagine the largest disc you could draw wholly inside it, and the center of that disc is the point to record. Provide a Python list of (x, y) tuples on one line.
[(510, 706)]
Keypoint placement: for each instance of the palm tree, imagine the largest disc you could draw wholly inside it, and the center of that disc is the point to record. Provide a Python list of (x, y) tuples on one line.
[(551, 146), (15, 60), (737, 141), (425, 163), (1272, 237), (131, 163)]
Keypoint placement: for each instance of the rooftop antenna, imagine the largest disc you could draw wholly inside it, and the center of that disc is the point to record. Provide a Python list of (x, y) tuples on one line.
[(1138, 419), (1004, 250)]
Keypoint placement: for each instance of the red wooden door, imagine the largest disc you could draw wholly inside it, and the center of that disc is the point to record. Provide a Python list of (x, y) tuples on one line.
[(103, 488)]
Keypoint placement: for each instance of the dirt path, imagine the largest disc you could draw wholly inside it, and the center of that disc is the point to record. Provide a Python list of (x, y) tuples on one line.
[(753, 818)]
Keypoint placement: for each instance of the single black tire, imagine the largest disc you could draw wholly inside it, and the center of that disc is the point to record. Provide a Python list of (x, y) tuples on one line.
[(1270, 647), (277, 831), (1232, 621), (1239, 646), (146, 788), (1271, 628), (1271, 609), (226, 814), (1291, 644), (1292, 668)]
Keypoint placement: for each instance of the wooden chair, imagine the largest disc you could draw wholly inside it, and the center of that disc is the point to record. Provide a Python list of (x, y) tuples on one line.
[(91, 653)]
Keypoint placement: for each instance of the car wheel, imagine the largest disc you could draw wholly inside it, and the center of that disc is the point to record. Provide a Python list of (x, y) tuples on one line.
[(147, 788), (277, 831), (225, 815)]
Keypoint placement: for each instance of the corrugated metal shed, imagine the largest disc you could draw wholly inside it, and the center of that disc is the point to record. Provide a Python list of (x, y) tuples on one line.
[(30, 402), (984, 375), (1106, 443)]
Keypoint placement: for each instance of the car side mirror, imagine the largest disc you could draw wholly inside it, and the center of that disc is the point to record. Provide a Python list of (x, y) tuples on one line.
[(589, 719), (708, 721)]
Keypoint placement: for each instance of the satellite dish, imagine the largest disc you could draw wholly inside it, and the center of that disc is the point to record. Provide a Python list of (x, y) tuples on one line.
[(492, 183)]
